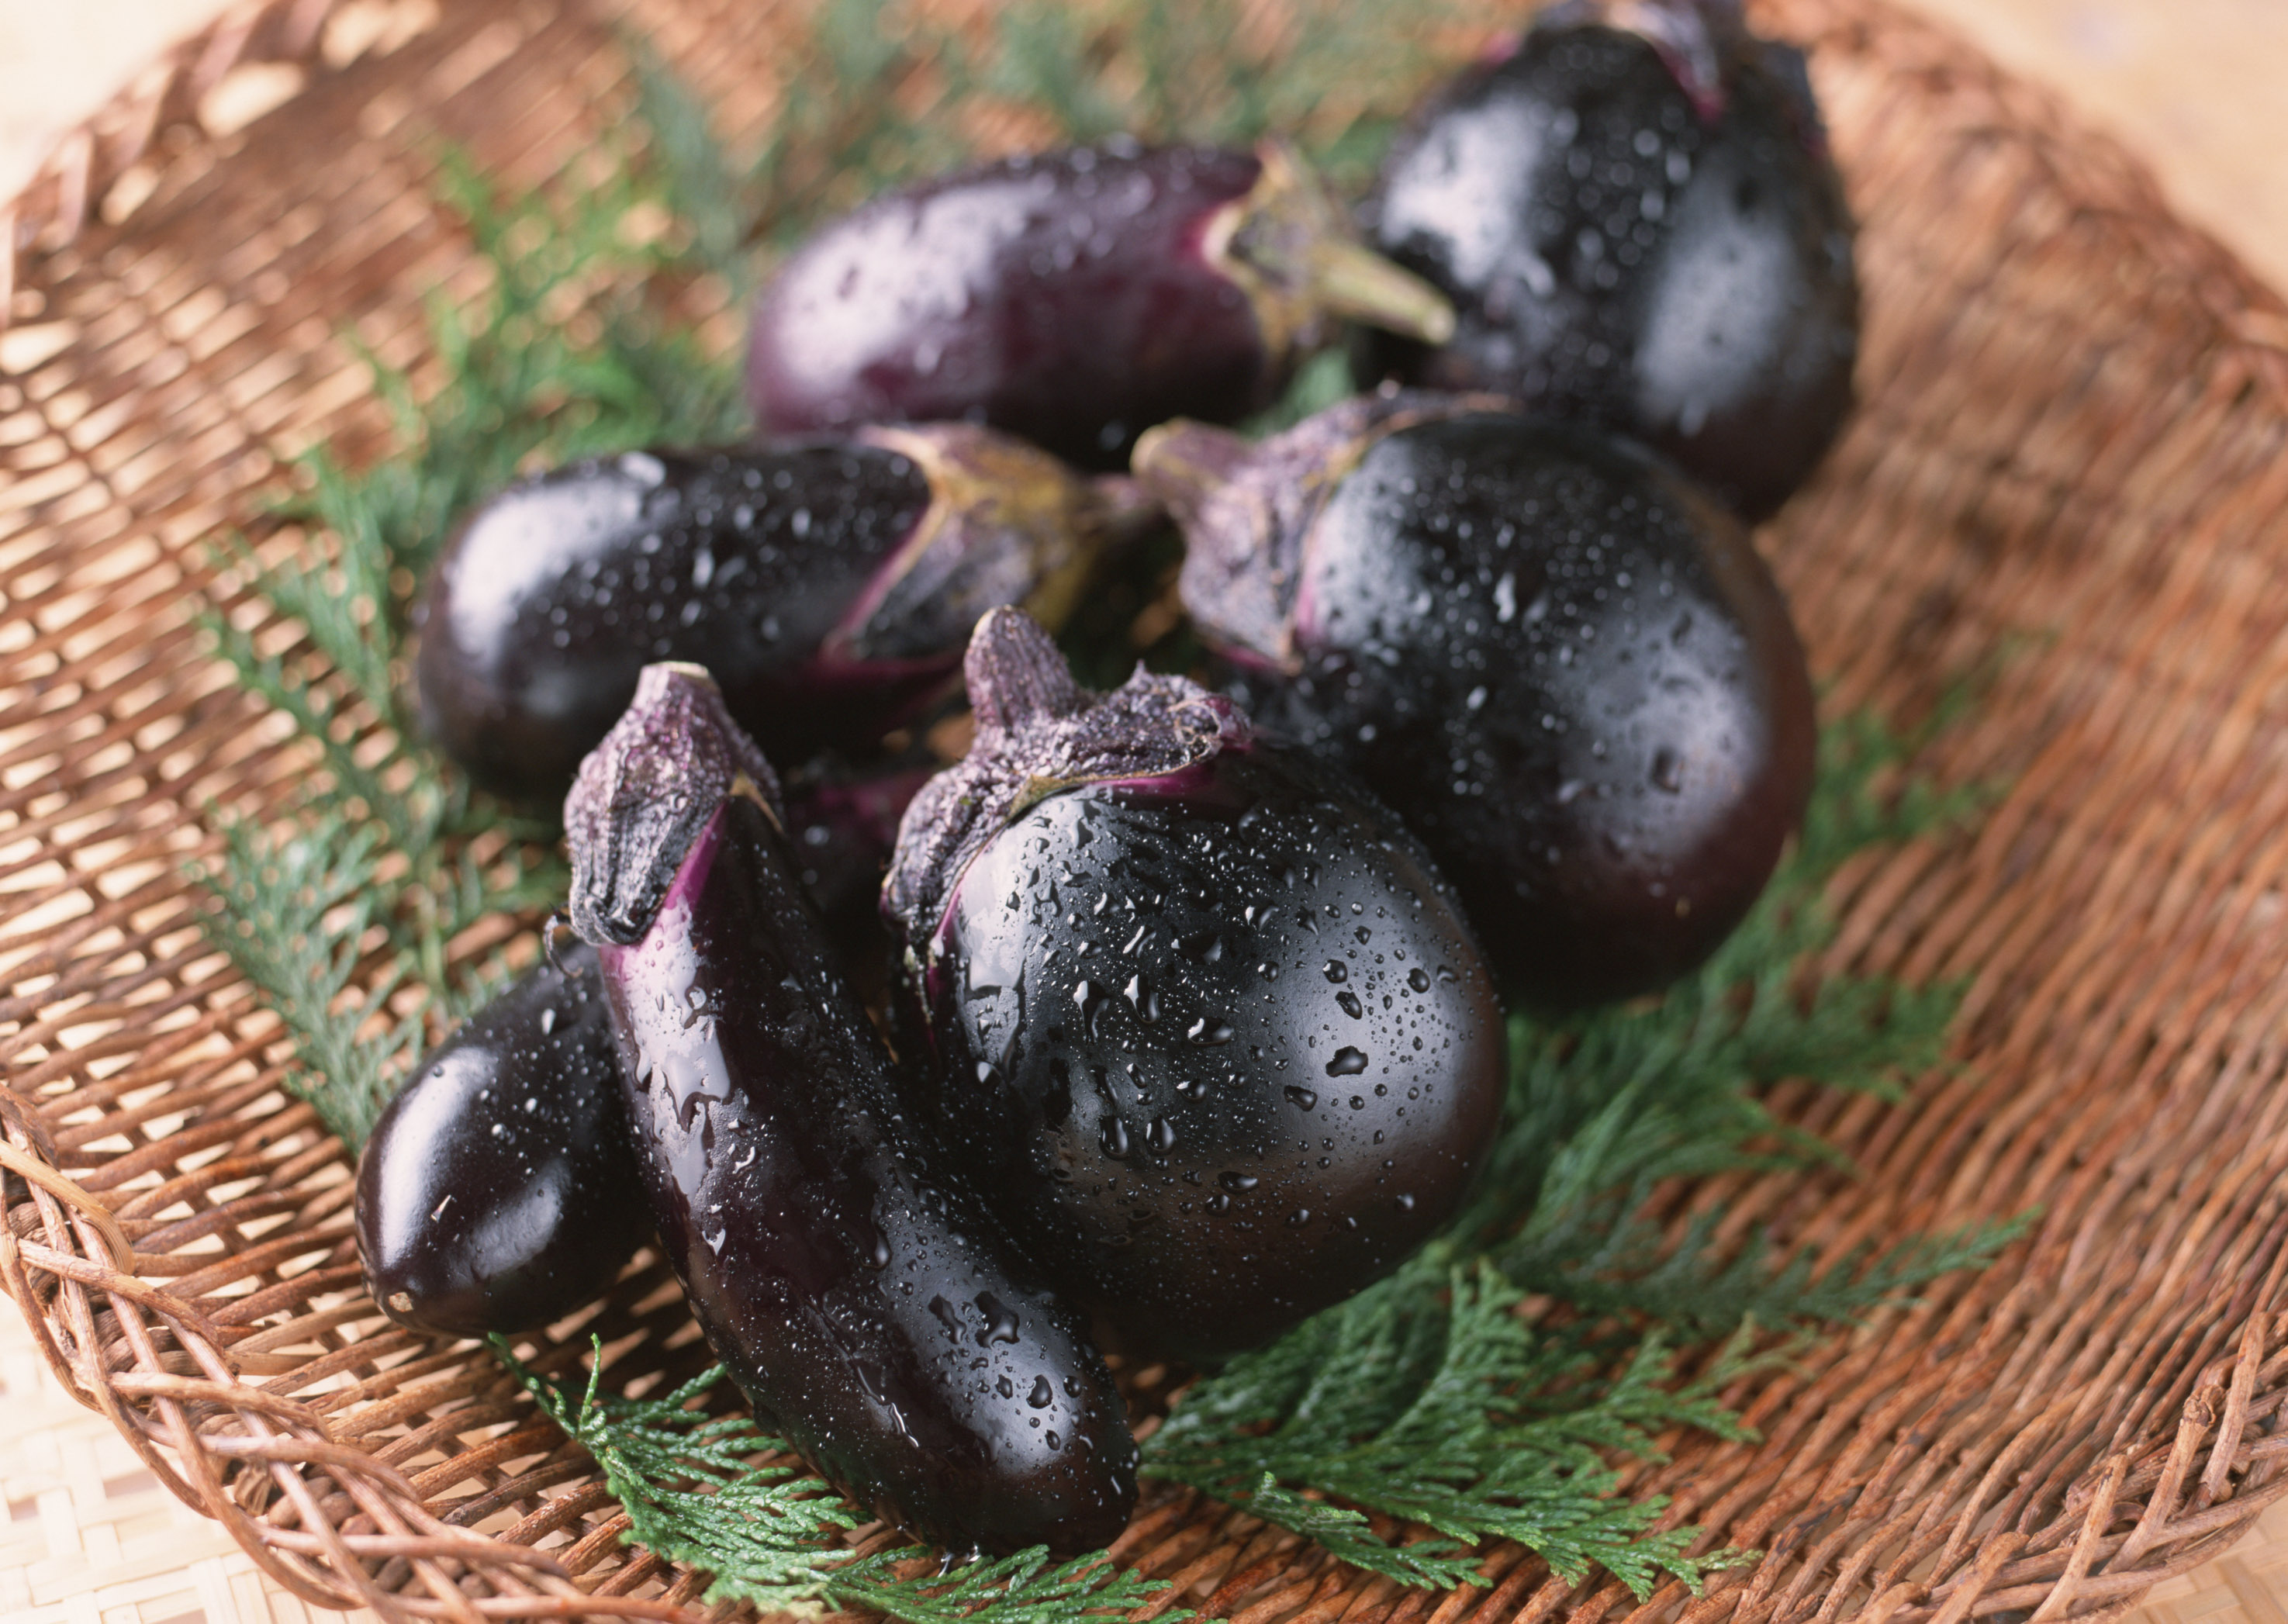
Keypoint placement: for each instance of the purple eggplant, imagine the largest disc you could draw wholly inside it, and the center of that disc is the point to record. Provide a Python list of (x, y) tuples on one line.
[(1562, 663), (1638, 220), (843, 825), (857, 1292), (1075, 298), (1204, 1014), (496, 1192), (830, 585)]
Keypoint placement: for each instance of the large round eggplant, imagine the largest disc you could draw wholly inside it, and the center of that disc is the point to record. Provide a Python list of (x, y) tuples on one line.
[(496, 1192), (1075, 298), (859, 1296), (1203, 1010), (830, 585), (1562, 664), (1639, 223)]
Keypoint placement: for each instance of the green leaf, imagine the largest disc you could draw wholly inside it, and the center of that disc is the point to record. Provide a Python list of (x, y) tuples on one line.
[(724, 1497)]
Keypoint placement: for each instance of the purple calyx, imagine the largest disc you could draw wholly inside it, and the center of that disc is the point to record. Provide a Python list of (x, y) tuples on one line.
[(1246, 507), (1039, 734), (648, 795)]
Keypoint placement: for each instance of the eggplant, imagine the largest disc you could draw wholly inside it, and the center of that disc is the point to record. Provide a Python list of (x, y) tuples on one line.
[(843, 824), (858, 1294), (1077, 298), (1564, 664), (828, 583), (1637, 217), (496, 1192), (1203, 1014)]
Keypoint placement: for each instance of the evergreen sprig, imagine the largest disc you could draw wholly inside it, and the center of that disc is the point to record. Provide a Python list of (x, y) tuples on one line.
[(1402, 1430), (722, 1496), (1464, 1420)]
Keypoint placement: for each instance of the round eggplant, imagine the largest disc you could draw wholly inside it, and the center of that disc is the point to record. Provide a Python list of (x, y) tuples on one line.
[(830, 585), (496, 1192), (861, 1297), (1075, 298), (1203, 1012), (1639, 223), (1564, 665)]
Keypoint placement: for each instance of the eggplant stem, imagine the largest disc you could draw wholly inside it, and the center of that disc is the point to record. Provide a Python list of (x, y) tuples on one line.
[(1359, 285)]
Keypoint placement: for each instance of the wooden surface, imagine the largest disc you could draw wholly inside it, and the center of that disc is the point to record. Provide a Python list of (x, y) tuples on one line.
[(87, 1536), (2192, 84)]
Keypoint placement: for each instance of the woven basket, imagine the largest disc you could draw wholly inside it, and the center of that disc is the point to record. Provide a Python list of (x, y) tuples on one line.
[(2071, 451)]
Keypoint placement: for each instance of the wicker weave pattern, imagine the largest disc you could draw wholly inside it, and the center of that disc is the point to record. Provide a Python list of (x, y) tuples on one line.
[(2071, 454)]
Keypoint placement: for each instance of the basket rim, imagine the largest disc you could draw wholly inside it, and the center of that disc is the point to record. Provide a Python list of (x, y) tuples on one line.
[(77, 168), (64, 196)]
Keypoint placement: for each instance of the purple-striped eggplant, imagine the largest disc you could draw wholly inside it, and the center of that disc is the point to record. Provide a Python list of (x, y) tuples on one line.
[(858, 1294), (497, 1192), (1202, 1010), (1564, 664), (1638, 220), (1077, 298), (828, 583)]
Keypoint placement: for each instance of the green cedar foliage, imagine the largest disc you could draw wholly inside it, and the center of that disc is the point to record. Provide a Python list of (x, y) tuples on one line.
[(696, 1493), (1402, 1430)]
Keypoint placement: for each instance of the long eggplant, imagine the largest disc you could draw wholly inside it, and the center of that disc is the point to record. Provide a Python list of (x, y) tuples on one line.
[(858, 1294)]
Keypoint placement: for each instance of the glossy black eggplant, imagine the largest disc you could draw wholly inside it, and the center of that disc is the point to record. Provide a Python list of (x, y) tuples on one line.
[(1638, 220), (843, 824), (1077, 298), (830, 585), (497, 1192), (1203, 1012), (859, 1296), (1562, 664)]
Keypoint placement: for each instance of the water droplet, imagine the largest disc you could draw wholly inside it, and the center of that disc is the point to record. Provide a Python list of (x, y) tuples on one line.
[(1417, 979), (1114, 1138), (1348, 1062), (1043, 1395), (1667, 770), (1336, 971), (1301, 1097), (1000, 1322), (1237, 1181), (1003, 1386)]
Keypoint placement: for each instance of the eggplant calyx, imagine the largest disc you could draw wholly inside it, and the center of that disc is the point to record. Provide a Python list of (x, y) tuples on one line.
[(1691, 37), (1040, 733), (1291, 249), (1246, 507), (646, 793), (1007, 524)]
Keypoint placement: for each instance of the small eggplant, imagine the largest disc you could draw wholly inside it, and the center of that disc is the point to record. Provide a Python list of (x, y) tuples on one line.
[(1639, 225), (1075, 298), (496, 1192), (1203, 1012), (843, 825), (830, 585), (861, 1297), (1564, 665)]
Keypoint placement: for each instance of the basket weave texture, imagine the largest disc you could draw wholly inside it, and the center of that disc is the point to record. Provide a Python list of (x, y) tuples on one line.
[(2069, 466)]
